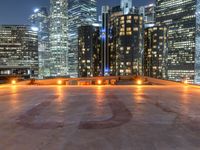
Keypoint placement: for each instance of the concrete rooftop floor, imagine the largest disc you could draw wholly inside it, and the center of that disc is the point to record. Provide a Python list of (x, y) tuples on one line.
[(99, 118)]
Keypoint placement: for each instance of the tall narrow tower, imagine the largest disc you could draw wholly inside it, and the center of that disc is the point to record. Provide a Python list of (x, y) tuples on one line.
[(126, 6), (58, 38), (40, 22), (80, 12)]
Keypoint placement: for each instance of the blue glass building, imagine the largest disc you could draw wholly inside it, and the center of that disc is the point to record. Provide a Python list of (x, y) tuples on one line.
[(40, 22), (80, 13)]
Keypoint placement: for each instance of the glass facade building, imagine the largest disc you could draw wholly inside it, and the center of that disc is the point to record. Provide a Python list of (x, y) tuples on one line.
[(39, 21), (126, 45), (18, 51), (155, 49), (182, 20), (89, 51), (58, 38), (126, 6), (80, 12), (197, 44), (122, 38), (148, 12), (105, 53)]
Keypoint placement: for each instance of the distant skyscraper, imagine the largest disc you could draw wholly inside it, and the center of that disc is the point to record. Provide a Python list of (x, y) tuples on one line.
[(89, 51), (148, 12), (155, 49), (58, 38), (40, 21), (105, 56), (122, 40), (18, 51), (126, 44), (80, 12), (126, 6), (182, 19)]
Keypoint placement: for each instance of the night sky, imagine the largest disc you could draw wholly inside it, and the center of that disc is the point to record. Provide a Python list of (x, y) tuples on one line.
[(17, 11)]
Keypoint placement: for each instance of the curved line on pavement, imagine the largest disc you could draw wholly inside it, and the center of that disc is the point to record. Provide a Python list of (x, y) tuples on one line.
[(120, 116), (27, 119)]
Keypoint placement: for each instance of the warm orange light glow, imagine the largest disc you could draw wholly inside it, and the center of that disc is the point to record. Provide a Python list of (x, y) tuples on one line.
[(99, 82), (186, 82), (139, 82), (13, 82), (59, 82)]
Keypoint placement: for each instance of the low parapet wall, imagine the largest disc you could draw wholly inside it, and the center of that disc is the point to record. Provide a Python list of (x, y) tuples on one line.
[(71, 81), (112, 80), (161, 82)]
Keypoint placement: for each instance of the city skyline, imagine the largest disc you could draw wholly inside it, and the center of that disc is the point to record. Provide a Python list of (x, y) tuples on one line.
[(100, 74), (20, 14)]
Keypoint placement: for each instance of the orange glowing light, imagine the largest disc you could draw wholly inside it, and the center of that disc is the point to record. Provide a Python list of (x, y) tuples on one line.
[(139, 82), (99, 82), (13, 82), (59, 82), (186, 82)]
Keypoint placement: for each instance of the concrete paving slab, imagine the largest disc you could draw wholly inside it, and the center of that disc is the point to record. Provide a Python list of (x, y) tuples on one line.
[(99, 118)]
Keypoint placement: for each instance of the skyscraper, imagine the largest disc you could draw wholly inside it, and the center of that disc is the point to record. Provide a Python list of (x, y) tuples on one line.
[(126, 6), (40, 22), (148, 12), (18, 51), (126, 45), (89, 51), (155, 48), (58, 38), (122, 40), (105, 58), (182, 19), (80, 12)]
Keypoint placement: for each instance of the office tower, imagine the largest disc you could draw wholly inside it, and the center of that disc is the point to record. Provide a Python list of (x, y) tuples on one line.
[(89, 51), (18, 51), (108, 55), (155, 49), (105, 41), (182, 19), (58, 38), (126, 6), (122, 40), (126, 45), (80, 12), (40, 22), (148, 13), (114, 14)]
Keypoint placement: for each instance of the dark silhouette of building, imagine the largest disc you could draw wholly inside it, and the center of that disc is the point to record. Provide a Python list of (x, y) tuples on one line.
[(155, 49), (89, 51), (126, 44)]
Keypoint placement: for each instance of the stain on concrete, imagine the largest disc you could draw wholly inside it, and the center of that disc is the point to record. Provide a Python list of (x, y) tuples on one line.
[(120, 116), (28, 119)]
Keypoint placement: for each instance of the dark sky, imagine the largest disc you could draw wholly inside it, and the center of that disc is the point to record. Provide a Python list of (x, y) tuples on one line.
[(17, 11)]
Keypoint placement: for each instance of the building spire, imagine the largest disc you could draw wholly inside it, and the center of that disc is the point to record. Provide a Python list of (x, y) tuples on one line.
[(126, 6)]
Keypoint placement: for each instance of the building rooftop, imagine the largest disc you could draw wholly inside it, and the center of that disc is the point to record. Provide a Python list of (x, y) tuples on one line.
[(100, 117)]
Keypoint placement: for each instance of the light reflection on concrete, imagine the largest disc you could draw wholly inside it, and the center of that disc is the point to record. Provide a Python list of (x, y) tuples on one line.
[(100, 100), (60, 93), (185, 100), (14, 97), (139, 94), (49, 117)]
